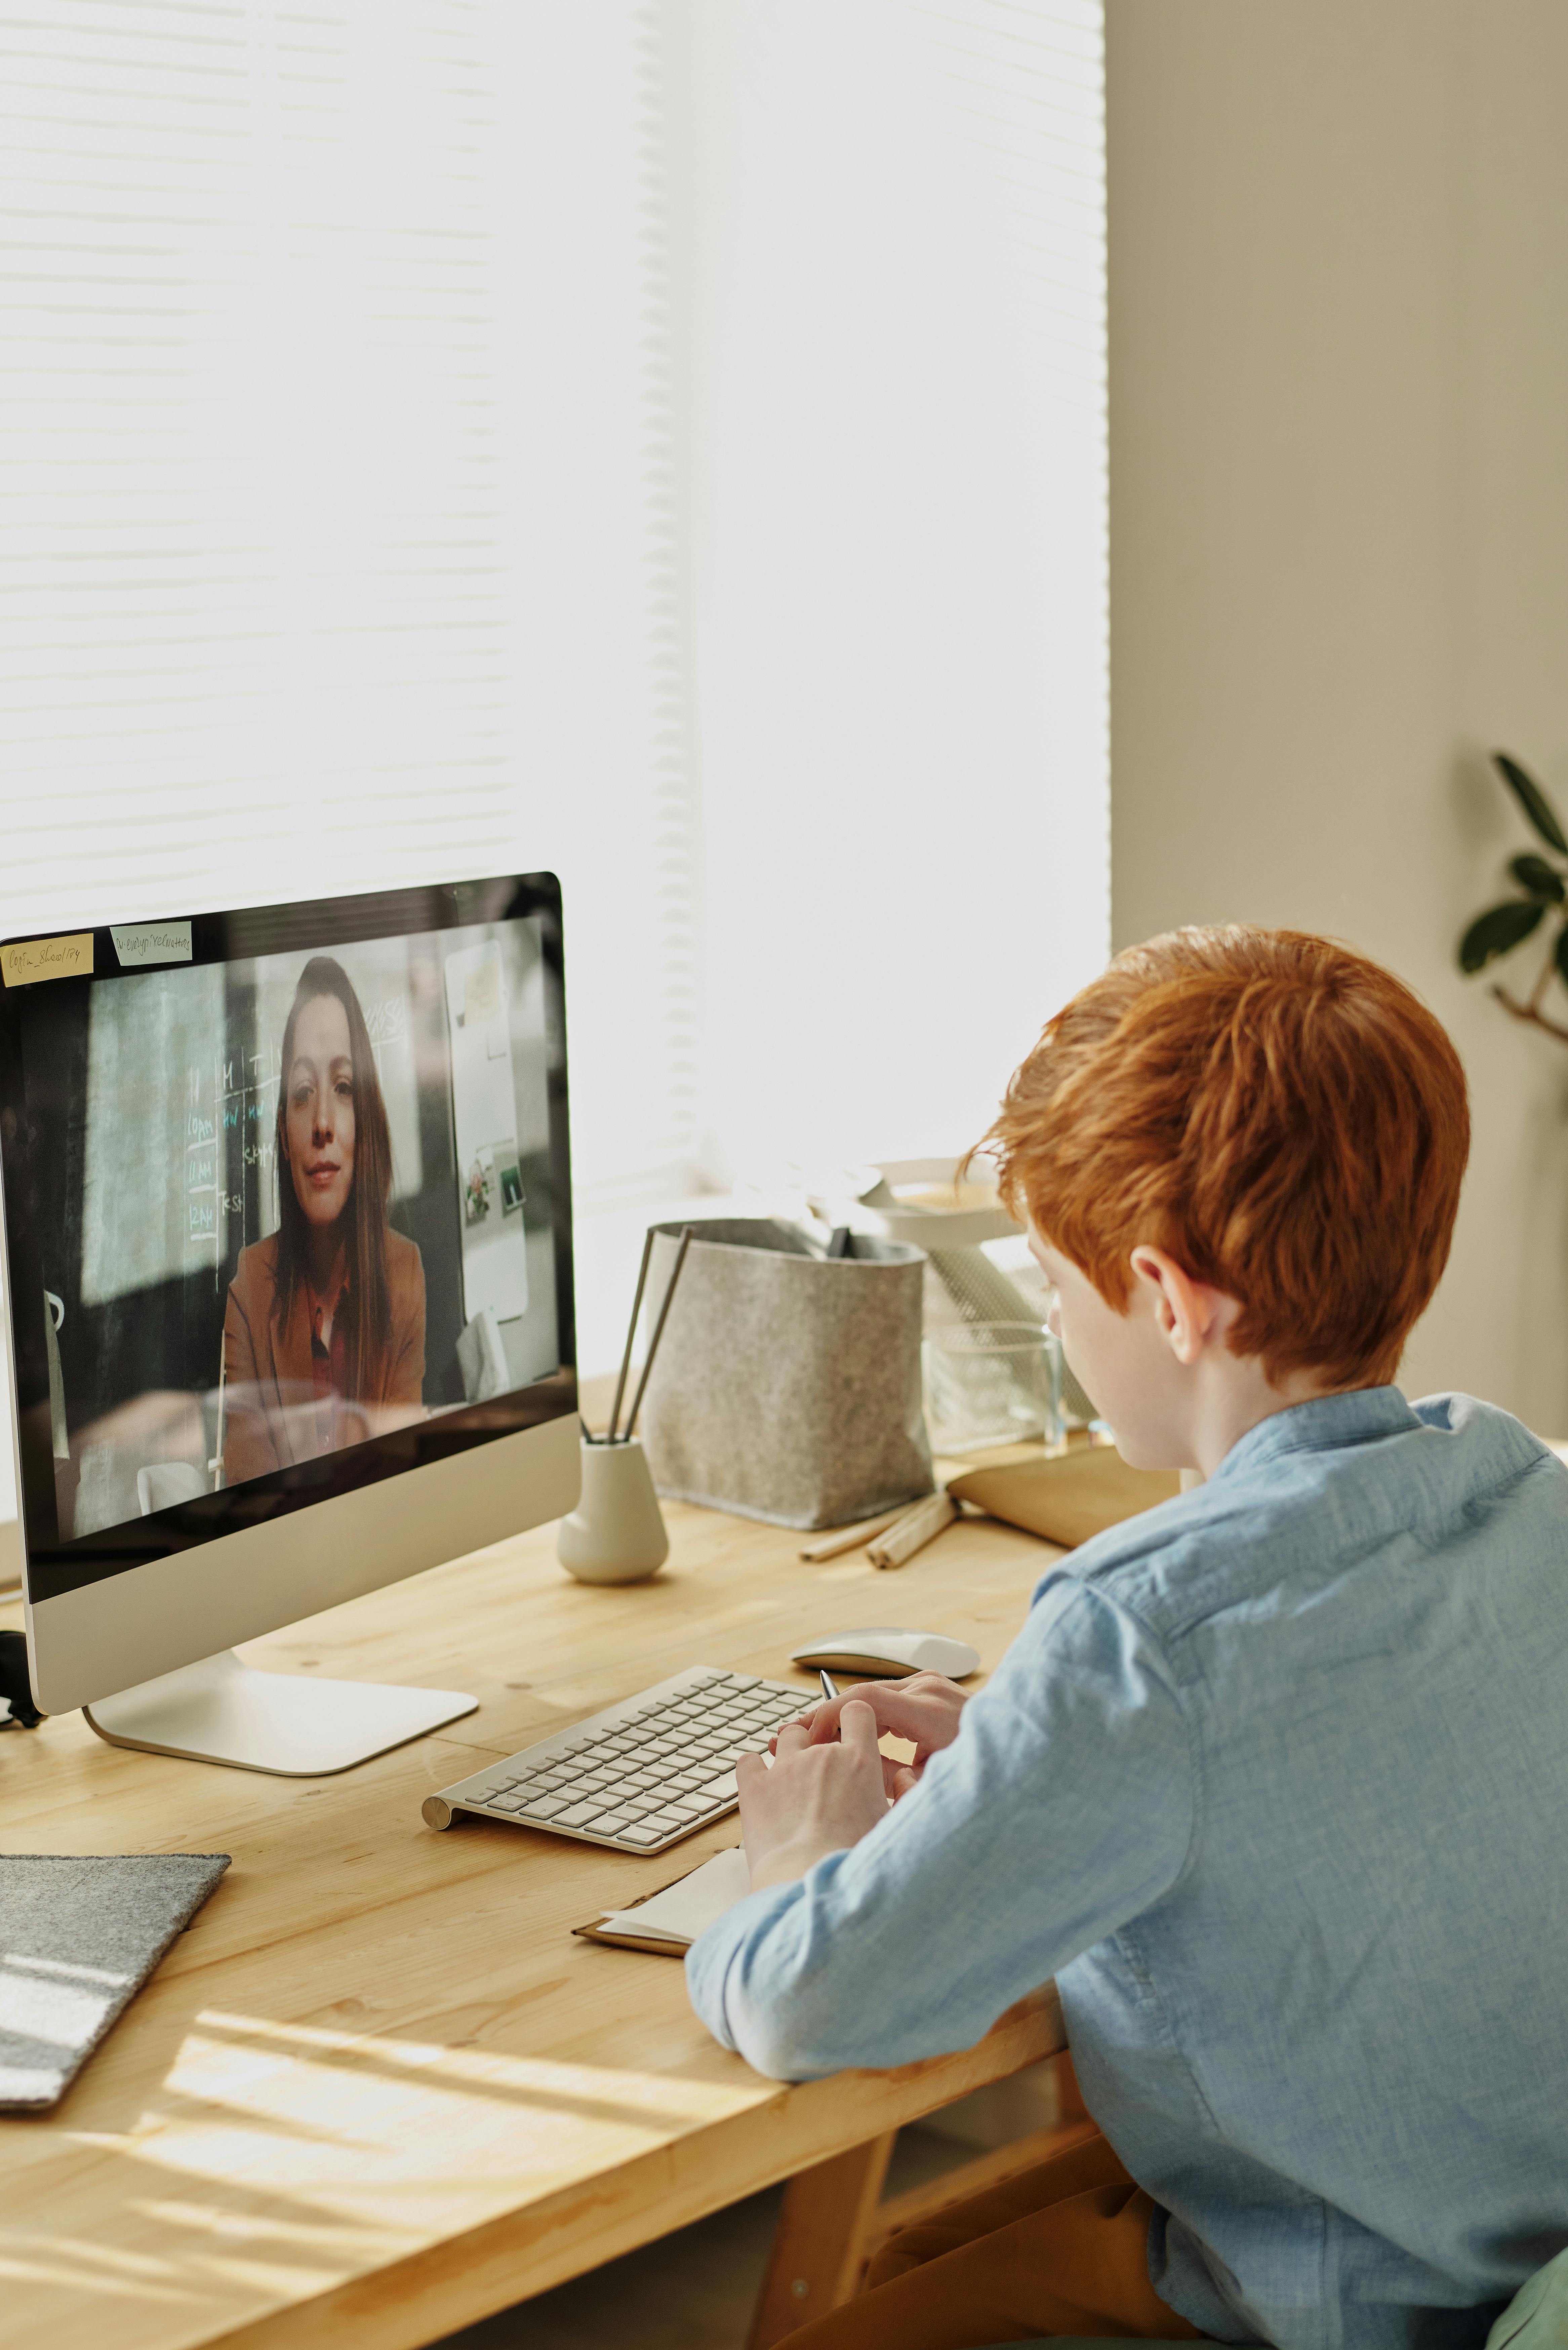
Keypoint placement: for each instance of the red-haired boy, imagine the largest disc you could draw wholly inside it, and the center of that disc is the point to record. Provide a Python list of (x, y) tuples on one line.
[(1273, 1779)]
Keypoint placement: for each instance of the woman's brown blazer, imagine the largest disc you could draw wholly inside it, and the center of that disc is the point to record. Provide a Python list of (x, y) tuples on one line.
[(270, 1415)]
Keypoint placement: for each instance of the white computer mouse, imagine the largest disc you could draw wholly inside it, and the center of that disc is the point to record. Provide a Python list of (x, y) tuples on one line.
[(886, 1652)]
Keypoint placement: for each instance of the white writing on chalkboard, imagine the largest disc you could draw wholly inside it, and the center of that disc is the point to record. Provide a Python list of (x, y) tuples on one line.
[(231, 1109)]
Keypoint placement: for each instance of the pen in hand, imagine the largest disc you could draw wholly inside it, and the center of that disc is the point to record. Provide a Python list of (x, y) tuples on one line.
[(829, 1689)]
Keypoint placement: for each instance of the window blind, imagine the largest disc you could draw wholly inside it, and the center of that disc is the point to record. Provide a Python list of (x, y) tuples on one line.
[(658, 440)]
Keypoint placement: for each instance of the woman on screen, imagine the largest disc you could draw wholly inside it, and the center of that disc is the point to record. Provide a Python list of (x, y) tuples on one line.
[(324, 1338)]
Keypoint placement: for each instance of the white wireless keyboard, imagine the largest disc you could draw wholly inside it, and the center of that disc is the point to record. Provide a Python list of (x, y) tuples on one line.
[(639, 1775)]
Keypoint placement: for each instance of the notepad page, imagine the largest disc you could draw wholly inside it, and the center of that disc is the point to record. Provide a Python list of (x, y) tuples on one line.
[(683, 1911)]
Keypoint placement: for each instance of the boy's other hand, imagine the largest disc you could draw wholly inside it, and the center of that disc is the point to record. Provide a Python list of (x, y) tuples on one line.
[(924, 1710), (816, 1799)]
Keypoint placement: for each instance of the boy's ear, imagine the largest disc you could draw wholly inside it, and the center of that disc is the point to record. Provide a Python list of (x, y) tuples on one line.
[(1193, 1317)]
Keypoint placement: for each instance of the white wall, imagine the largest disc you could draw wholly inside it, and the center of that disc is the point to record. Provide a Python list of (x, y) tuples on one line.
[(1339, 535)]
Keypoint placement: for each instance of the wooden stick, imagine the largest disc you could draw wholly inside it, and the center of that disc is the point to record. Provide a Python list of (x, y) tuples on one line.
[(658, 1334), (630, 1336), (845, 1538), (914, 1530)]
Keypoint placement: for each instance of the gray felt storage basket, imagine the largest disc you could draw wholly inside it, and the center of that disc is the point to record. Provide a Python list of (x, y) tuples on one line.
[(787, 1385)]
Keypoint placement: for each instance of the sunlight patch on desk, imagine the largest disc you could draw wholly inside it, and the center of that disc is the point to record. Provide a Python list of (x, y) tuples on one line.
[(89, 2268), (251, 2095), (264, 2279), (660, 2097)]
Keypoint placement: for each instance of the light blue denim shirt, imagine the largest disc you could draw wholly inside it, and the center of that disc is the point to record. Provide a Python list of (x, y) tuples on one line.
[(1274, 1782)]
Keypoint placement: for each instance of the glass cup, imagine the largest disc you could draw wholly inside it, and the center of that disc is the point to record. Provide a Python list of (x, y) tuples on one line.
[(990, 1383)]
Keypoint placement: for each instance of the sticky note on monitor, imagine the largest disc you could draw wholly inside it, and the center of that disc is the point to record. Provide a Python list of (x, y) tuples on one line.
[(28, 961), (139, 944)]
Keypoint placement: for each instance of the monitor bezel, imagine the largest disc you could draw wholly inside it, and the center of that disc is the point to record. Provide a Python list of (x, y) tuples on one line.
[(53, 1568)]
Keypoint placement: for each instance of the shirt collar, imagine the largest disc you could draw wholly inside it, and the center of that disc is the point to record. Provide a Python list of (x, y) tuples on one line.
[(1322, 1424)]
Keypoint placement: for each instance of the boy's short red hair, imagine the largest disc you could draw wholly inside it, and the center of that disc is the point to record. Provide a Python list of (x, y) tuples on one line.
[(1283, 1117)]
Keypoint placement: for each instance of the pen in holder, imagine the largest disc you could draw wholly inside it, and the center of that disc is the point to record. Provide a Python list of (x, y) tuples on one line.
[(615, 1533)]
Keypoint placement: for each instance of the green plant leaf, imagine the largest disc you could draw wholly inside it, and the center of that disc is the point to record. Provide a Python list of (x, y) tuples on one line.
[(1541, 880), (1533, 800), (1498, 931), (1559, 954)]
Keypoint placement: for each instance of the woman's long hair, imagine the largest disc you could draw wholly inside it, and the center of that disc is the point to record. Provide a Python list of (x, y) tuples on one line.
[(369, 1308)]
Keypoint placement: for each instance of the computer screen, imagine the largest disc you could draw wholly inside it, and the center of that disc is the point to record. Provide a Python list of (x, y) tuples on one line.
[(288, 1210)]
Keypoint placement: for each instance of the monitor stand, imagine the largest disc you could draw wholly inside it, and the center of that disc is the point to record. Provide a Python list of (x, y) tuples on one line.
[(222, 1710)]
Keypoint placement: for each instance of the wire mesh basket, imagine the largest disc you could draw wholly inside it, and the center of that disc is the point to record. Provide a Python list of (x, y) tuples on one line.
[(999, 1282)]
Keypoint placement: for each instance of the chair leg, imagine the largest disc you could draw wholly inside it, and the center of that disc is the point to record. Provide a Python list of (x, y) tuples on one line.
[(817, 2251)]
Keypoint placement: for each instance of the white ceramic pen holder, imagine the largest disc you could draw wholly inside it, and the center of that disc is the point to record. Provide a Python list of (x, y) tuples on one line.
[(615, 1533)]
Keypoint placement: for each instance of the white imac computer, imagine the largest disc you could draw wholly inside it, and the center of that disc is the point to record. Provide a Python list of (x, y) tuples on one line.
[(288, 1224)]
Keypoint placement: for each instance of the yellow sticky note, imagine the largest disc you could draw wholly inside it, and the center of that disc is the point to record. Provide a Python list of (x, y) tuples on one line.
[(33, 958)]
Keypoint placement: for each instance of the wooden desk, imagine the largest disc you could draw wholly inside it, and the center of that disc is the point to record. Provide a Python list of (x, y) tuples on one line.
[(376, 2091)]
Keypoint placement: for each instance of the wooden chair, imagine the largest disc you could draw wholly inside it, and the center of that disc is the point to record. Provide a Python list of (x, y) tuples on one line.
[(834, 2217), (833, 2220)]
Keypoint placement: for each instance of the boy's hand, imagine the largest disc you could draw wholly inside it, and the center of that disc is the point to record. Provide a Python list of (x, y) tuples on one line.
[(816, 1798), (925, 1709)]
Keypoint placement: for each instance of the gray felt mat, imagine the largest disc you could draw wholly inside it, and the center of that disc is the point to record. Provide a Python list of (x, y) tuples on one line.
[(77, 1940)]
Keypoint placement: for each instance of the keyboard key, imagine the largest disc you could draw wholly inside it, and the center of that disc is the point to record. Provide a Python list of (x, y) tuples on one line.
[(507, 1803), (547, 1807), (611, 1823), (666, 1822), (719, 1791), (641, 1834), (578, 1814)]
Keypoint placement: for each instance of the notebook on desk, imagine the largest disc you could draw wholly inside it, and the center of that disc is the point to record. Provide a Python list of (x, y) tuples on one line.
[(669, 1921)]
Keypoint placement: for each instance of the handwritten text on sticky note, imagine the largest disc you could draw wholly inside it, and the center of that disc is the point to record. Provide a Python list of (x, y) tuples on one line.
[(140, 944), (33, 958)]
